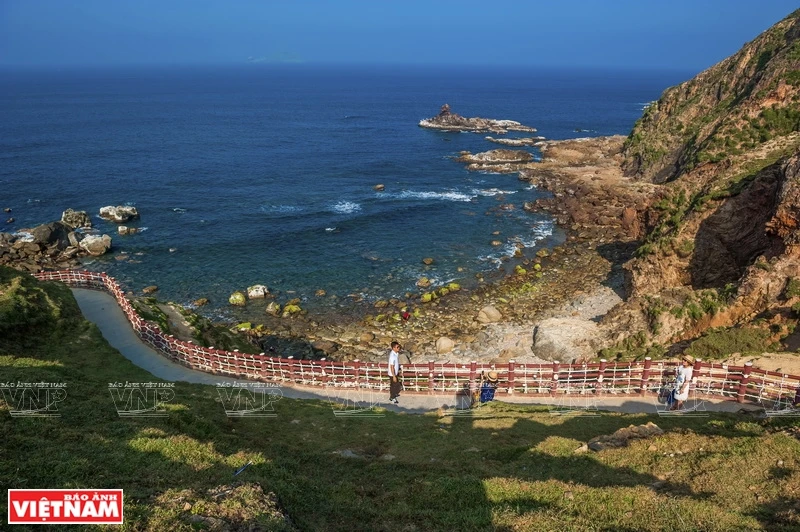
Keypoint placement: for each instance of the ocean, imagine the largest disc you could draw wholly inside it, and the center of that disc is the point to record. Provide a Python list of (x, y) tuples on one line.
[(265, 174)]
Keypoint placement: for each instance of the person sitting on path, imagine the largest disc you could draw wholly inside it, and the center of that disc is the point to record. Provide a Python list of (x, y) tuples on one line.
[(488, 387), (684, 379), (394, 372)]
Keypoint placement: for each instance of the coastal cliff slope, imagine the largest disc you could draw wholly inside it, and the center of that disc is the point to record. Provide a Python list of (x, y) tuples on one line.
[(720, 245)]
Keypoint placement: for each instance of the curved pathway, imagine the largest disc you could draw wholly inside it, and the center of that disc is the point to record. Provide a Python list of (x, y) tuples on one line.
[(102, 309)]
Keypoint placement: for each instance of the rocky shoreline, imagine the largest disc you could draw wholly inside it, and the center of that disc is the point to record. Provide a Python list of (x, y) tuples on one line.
[(579, 280)]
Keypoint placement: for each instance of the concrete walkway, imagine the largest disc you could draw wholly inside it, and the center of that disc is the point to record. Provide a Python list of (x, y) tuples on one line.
[(102, 309)]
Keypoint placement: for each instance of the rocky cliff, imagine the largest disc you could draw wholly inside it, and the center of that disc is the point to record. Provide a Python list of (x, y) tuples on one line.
[(721, 242)]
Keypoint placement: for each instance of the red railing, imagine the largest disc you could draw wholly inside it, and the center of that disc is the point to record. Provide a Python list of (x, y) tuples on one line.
[(739, 383)]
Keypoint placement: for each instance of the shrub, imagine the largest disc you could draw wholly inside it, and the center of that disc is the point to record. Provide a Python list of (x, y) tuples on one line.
[(792, 288)]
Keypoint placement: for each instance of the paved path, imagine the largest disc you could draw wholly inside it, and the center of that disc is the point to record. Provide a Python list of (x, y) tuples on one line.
[(101, 309)]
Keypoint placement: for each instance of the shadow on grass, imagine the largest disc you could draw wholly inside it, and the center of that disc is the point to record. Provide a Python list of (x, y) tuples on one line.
[(399, 472)]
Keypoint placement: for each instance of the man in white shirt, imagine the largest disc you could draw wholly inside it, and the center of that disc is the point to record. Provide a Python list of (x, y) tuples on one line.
[(394, 372)]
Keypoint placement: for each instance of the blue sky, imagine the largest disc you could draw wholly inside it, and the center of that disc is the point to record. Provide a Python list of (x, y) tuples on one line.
[(674, 34)]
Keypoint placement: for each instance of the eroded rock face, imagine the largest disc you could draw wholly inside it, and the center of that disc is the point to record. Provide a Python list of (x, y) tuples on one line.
[(119, 214)]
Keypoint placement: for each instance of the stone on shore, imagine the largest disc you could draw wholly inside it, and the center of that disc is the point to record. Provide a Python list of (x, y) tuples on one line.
[(150, 289), (489, 314), (119, 214), (273, 309), (444, 345), (53, 233)]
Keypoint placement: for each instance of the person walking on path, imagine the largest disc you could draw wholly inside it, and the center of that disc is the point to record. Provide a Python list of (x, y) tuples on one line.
[(684, 374), (394, 372)]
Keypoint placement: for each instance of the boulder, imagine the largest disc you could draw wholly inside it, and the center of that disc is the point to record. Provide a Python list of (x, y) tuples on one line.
[(565, 339), (326, 346), (76, 219), (273, 308), (444, 345), (489, 314), (290, 309), (237, 298), (119, 214), (379, 187), (52, 233), (150, 289), (622, 437), (200, 302), (258, 291), (96, 245), (423, 282), (427, 261)]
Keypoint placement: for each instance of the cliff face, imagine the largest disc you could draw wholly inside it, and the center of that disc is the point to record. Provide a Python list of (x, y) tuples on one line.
[(722, 231), (733, 108)]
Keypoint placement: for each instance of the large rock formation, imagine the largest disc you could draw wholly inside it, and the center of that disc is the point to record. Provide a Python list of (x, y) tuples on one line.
[(119, 214), (449, 121)]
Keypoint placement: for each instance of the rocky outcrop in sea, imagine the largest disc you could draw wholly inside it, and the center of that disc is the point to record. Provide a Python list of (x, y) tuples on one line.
[(446, 120), (52, 246)]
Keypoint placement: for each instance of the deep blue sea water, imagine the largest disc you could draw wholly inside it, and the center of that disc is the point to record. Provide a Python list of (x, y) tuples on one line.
[(265, 174)]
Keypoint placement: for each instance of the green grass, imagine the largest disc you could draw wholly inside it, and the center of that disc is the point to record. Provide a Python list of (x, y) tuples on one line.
[(719, 344), (513, 470)]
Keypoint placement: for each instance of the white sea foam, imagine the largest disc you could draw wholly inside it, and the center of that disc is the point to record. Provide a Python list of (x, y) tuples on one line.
[(539, 231), (450, 195), (280, 209), (346, 207), (23, 236), (330, 229), (492, 192), (179, 210)]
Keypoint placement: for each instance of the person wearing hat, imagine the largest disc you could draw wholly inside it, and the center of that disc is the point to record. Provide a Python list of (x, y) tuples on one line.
[(488, 387), (684, 379)]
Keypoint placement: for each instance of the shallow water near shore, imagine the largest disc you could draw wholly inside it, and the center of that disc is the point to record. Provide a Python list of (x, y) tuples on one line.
[(265, 174)]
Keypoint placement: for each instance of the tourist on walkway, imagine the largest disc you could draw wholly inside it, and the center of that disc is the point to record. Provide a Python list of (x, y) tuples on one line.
[(394, 372), (684, 379)]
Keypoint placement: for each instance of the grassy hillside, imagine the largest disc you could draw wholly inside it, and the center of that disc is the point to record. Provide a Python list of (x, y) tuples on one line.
[(515, 469)]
